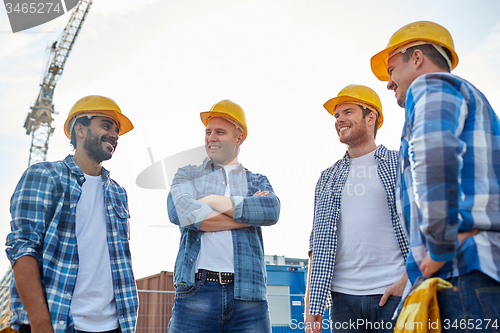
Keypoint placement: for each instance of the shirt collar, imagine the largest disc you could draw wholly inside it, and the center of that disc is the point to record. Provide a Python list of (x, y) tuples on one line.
[(208, 163), (380, 154), (75, 169)]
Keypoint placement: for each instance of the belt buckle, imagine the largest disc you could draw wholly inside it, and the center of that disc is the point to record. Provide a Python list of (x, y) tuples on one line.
[(220, 279)]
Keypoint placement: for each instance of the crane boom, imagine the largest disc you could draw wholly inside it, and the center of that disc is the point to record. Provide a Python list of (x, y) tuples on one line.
[(39, 120)]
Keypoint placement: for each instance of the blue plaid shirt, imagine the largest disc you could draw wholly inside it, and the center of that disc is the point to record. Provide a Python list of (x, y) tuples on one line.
[(43, 209), (194, 182), (450, 176), (327, 207)]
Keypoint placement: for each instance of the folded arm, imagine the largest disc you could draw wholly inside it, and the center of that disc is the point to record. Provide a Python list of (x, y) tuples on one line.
[(257, 210), (183, 207)]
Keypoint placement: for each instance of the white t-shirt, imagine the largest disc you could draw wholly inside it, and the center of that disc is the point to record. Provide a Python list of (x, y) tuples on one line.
[(93, 305), (368, 257), (216, 248)]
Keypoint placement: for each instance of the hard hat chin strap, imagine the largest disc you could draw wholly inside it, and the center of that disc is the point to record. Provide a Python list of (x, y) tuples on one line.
[(439, 48)]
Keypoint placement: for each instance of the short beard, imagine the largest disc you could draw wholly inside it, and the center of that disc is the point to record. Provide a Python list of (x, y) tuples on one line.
[(358, 139), (93, 146)]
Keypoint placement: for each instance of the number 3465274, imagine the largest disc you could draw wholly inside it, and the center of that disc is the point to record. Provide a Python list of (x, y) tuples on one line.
[(33, 7), (476, 324)]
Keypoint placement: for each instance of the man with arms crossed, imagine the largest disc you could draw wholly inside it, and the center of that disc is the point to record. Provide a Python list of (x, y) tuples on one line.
[(357, 246), (450, 167), (69, 242), (220, 206)]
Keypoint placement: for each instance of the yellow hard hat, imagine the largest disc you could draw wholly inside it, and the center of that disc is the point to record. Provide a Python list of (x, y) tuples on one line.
[(423, 31), (357, 94), (229, 110), (98, 106)]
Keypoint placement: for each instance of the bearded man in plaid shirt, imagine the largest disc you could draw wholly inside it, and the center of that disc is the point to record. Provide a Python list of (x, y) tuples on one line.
[(69, 241)]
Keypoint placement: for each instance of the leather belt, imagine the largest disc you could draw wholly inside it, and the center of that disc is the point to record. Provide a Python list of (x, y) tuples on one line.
[(221, 277)]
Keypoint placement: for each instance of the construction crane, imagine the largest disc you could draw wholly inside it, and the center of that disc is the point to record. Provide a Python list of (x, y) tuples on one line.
[(38, 123)]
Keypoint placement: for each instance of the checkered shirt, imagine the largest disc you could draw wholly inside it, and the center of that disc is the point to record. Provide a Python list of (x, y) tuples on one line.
[(450, 176), (43, 209), (194, 182), (327, 207)]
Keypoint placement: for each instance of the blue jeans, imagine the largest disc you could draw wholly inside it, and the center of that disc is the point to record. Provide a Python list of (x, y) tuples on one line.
[(473, 304), (351, 313), (211, 307)]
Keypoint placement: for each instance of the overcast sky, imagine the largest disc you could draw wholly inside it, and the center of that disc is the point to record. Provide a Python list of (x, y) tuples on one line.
[(166, 61)]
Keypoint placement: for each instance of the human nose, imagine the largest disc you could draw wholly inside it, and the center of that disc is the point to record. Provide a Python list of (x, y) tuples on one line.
[(212, 137), (114, 135), (340, 119), (390, 84)]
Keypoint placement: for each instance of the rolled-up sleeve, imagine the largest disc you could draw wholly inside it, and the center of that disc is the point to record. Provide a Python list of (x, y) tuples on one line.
[(189, 211), (257, 210), (32, 207)]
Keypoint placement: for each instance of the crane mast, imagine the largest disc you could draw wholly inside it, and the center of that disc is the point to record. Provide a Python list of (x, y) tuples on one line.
[(39, 121)]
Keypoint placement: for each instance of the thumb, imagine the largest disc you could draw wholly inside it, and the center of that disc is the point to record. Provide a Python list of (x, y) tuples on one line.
[(384, 298)]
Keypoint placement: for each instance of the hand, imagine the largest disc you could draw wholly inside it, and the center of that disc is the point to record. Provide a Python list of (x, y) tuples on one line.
[(428, 266), (395, 289), (261, 194), (313, 323), (466, 234)]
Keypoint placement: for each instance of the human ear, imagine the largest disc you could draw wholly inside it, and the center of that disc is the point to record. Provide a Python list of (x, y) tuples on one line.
[(240, 138), (417, 58), (79, 130)]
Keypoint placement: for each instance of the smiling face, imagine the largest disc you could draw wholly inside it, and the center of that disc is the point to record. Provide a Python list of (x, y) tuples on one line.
[(401, 75), (352, 128), (101, 139), (222, 141)]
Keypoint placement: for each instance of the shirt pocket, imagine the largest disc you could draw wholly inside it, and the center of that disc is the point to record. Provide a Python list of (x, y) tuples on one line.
[(120, 218)]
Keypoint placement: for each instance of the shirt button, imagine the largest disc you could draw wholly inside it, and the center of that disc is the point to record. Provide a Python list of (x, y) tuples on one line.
[(338, 209), (332, 252), (73, 266), (328, 275), (223, 183), (61, 322), (82, 178), (334, 229), (190, 259), (68, 295), (71, 206), (198, 240)]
